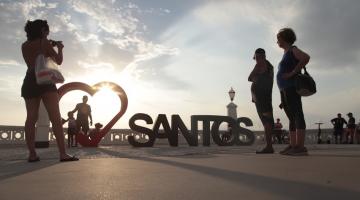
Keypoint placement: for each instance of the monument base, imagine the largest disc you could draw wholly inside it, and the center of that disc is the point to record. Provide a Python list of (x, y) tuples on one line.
[(42, 144)]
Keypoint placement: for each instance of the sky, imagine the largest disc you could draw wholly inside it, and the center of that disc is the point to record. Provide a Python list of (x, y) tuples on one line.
[(182, 57)]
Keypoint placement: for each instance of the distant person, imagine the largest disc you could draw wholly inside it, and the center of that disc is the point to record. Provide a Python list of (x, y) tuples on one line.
[(338, 127), (72, 130), (350, 129), (278, 132), (83, 115), (96, 131), (262, 77), (358, 133), (290, 65), (37, 43), (226, 136)]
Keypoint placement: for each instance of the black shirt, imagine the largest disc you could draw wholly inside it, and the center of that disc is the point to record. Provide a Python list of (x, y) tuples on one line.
[(351, 123), (338, 123)]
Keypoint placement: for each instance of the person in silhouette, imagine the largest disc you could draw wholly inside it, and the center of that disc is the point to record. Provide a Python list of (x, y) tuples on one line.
[(290, 65), (358, 133), (72, 130), (97, 129), (262, 77), (278, 132), (83, 115), (37, 43), (338, 127), (350, 129)]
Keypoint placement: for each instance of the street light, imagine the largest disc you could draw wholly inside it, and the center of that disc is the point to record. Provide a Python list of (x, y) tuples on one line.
[(231, 94), (319, 132)]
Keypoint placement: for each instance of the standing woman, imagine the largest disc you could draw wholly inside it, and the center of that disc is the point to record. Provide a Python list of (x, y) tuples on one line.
[(291, 64), (37, 43), (262, 78)]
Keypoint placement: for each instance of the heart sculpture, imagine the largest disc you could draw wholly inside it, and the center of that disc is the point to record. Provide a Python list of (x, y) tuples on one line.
[(81, 138)]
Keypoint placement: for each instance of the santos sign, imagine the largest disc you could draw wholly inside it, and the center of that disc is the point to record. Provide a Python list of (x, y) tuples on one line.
[(236, 135)]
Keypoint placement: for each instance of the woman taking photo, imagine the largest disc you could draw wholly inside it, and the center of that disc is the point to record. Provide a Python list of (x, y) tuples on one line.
[(37, 43), (291, 64)]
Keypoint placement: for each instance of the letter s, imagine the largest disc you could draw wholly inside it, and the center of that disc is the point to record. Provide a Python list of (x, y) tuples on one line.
[(249, 135), (140, 129)]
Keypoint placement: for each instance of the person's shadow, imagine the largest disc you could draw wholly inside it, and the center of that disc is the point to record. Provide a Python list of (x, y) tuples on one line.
[(12, 168), (287, 188)]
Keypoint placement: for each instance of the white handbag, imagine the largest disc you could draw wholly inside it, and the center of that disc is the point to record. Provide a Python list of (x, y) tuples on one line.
[(47, 71)]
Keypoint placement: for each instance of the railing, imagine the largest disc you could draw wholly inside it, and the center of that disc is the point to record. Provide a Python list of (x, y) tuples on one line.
[(16, 135)]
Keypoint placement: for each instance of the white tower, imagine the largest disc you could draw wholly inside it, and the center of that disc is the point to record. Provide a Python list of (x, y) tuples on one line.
[(42, 128)]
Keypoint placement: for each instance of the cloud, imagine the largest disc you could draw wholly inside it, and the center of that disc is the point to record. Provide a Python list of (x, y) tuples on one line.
[(329, 31), (148, 51), (81, 37), (117, 21), (102, 66), (118, 25), (9, 62)]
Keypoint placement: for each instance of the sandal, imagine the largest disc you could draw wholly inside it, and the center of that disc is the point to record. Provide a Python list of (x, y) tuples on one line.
[(36, 159), (69, 159)]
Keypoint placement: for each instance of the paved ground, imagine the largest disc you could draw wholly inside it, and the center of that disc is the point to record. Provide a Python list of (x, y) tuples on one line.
[(123, 172)]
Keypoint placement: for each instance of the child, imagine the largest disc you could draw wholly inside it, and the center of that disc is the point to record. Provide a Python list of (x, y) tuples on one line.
[(97, 129), (72, 129)]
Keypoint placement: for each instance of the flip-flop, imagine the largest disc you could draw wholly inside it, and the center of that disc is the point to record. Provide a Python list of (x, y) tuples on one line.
[(36, 159), (73, 158)]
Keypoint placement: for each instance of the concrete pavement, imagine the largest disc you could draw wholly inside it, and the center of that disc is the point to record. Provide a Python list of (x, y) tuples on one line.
[(123, 172)]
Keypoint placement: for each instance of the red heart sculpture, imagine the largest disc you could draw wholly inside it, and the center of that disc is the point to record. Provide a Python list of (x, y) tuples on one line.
[(81, 138)]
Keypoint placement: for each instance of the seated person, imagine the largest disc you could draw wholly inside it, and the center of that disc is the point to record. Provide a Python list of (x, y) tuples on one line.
[(278, 133), (97, 129)]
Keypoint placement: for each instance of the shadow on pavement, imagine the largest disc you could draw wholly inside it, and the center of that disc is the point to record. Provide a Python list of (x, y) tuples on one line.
[(18, 167), (287, 188)]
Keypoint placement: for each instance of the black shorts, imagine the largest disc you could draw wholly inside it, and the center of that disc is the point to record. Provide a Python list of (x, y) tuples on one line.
[(30, 89), (82, 123), (351, 126), (263, 105), (72, 131), (292, 105), (338, 131)]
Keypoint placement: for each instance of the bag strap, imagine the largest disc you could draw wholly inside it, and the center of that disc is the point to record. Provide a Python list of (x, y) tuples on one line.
[(41, 47), (305, 71)]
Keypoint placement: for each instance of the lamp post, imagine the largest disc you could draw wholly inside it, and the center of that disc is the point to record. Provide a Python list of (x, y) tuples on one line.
[(231, 94), (319, 132), (231, 107)]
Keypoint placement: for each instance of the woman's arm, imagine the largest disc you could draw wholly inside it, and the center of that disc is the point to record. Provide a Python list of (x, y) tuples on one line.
[(56, 56), (303, 59)]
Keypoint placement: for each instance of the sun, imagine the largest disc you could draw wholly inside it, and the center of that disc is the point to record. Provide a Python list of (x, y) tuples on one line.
[(105, 105)]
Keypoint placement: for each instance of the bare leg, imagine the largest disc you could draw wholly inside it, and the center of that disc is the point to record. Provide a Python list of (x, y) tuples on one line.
[(32, 111), (51, 102), (352, 132), (68, 141), (300, 137), (72, 140), (268, 131), (292, 136)]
